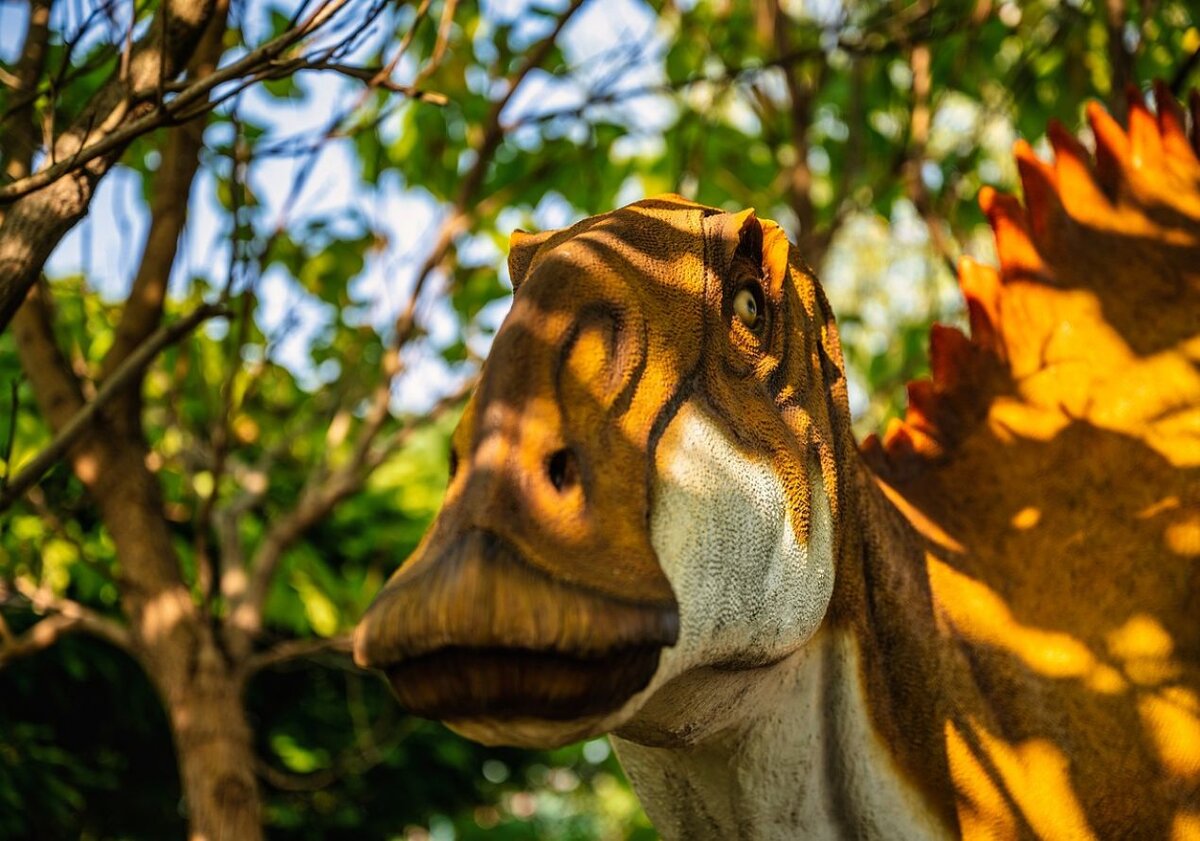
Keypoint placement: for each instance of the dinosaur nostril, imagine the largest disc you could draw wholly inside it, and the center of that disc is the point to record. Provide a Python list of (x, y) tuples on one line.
[(453, 463), (562, 470)]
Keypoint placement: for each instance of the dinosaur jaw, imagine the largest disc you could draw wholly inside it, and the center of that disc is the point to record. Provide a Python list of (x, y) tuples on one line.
[(520, 697), (476, 636)]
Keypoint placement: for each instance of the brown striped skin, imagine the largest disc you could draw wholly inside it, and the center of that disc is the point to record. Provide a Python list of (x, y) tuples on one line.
[(616, 323), (1017, 563), (1052, 470)]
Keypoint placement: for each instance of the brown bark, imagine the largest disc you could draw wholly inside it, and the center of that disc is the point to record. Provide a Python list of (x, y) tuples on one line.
[(23, 139), (34, 224), (1119, 58), (168, 214), (201, 690)]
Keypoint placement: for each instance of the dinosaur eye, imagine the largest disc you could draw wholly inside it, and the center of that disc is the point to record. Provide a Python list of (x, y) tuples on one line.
[(747, 307)]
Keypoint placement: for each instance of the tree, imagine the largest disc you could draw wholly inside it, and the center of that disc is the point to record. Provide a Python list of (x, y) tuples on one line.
[(216, 500)]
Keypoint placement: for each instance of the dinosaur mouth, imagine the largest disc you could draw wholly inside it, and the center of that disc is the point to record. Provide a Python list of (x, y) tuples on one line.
[(497, 683), (473, 631)]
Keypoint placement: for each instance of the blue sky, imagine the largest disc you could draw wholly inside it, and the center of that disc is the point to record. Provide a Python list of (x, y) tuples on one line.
[(884, 270), (106, 246)]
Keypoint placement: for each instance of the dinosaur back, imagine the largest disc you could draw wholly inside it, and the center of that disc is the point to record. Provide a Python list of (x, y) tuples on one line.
[(1052, 468)]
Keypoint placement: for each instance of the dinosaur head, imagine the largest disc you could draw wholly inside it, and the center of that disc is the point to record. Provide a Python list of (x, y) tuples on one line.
[(642, 486)]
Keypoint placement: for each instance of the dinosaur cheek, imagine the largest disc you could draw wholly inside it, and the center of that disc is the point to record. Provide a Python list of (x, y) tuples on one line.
[(750, 589)]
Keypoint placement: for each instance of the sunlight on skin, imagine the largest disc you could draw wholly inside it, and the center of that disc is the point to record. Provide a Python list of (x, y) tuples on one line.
[(1026, 518), (927, 526), (983, 810), (1141, 636), (980, 615), (1145, 649), (1009, 418), (1183, 538), (1035, 774), (1172, 718), (1186, 827)]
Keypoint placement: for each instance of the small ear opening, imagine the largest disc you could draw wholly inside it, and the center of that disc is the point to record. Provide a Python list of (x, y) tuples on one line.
[(522, 249)]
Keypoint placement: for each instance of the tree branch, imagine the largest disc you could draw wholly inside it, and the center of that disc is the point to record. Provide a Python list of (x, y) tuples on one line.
[(127, 372), (168, 215), (53, 199), (67, 617), (57, 390), (324, 489), (23, 139), (295, 650)]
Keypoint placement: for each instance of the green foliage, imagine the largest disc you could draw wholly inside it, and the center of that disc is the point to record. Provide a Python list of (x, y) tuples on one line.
[(705, 110)]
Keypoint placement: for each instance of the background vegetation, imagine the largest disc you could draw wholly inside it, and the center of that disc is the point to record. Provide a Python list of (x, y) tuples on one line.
[(285, 266)]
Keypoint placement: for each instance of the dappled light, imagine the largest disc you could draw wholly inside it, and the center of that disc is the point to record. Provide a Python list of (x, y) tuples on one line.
[(698, 491)]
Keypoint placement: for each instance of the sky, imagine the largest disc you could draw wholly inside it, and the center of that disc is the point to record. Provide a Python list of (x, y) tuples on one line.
[(107, 244)]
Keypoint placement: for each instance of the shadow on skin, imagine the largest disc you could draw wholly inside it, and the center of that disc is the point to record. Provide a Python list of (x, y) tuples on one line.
[(1026, 598)]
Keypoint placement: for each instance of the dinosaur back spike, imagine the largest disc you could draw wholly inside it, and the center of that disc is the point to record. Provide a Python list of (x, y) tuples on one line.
[(1172, 124), (1098, 287)]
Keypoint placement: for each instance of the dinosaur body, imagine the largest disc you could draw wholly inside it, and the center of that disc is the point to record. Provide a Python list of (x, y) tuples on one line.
[(985, 625)]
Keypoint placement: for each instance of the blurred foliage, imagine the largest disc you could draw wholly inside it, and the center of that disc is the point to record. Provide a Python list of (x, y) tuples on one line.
[(687, 96)]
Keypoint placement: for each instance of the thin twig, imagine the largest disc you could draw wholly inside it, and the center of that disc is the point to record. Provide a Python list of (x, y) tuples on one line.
[(175, 111), (324, 489), (295, 650)]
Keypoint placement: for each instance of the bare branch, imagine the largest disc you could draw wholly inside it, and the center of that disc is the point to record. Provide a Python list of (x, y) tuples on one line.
[(259, 63), (168, 215), (322, 491), (54, 198), (66, 617), (372, 76), (443, 39), (324, 488), (129, 370), (55, 387), (18, 151)]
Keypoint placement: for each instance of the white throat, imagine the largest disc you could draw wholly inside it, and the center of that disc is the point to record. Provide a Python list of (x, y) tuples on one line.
[(755, 725), (808, 764), (750, 590)]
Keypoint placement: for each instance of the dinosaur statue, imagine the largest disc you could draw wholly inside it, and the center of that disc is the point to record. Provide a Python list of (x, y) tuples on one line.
[(987, 624)]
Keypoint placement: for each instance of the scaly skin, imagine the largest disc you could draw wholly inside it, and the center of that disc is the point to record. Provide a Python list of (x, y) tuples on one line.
[(985, 625)]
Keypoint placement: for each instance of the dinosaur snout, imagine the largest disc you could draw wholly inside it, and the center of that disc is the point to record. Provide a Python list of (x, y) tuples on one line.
[(536, 594), (471, 629)]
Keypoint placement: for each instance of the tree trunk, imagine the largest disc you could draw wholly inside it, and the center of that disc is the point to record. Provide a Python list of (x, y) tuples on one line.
[(213, 744), (199, 685)]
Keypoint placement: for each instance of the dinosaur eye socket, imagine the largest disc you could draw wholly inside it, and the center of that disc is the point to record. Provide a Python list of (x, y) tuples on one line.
[(747, 307)]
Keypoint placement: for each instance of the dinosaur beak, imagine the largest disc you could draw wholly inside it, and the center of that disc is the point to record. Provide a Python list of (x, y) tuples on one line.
[(469, 629), (537, 594)]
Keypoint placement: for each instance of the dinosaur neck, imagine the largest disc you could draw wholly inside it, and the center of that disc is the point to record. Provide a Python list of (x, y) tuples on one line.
[(883, 606), (807, 765), (811, 751)]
